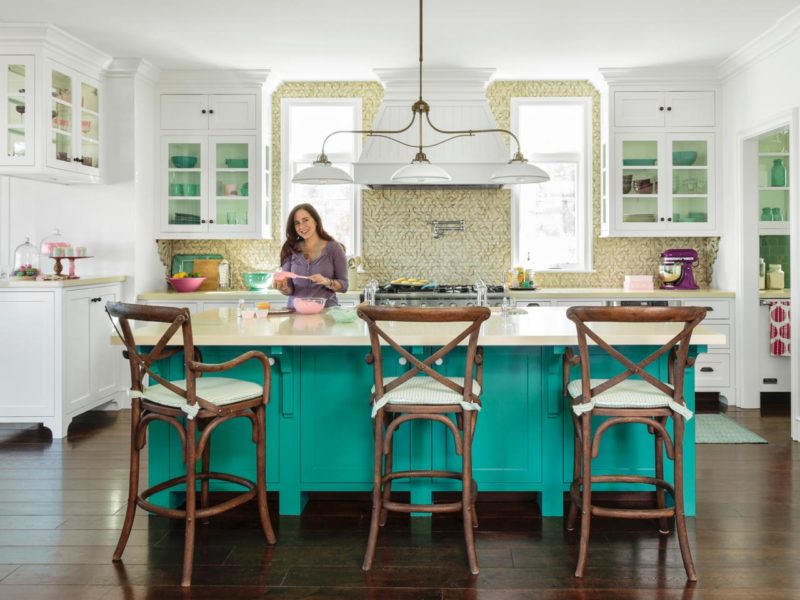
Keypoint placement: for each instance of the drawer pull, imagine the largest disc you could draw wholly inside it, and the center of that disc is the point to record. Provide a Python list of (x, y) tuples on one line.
[(709, 308), (533, 304), (770, 380), (706, 369)]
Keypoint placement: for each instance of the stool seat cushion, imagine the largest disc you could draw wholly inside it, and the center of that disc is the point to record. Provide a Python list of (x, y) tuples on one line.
[(630, 393), (424, 390), (219, 390)]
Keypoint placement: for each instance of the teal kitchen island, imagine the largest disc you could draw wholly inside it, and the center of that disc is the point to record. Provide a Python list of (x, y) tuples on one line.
[(319, 430)]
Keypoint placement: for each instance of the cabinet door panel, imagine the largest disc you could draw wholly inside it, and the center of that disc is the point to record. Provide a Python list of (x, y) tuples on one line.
[(232, 183), (77, 349), (27, 354), (184, 111), (232, 111), (105, 357), (184, 190), (690, 109), (639, 109), (16, 118)]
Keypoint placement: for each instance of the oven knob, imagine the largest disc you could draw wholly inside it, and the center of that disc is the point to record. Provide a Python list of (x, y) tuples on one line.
[(401, 304), (451, 304), (423, 303), (470, 304)]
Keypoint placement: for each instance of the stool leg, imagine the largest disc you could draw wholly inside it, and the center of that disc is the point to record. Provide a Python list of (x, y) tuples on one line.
[(261, 474), (576, 474), (387, 487), (133, 481), (586, 494), (663, 524), (377, 504), (191, 500), (680, 517), (206, 467), (466, 492), (474, 486)]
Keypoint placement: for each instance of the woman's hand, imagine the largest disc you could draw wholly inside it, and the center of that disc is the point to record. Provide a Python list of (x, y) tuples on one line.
[(282, 285), (323, 281)]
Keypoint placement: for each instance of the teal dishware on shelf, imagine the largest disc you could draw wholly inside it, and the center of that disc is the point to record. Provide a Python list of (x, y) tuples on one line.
[(777, 214), (766, 214), (244, 189), (778, 174)]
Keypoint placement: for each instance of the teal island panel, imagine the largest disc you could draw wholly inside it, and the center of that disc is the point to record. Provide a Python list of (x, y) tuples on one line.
[(320, 431)]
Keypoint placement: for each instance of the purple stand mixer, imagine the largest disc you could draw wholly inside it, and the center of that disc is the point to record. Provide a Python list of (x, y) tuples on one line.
[(675, 269)]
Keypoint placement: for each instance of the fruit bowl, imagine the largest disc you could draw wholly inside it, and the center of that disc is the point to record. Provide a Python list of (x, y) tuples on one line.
[(184, 162), (257, 280), (185, 284), (309, 306), (343, 315)]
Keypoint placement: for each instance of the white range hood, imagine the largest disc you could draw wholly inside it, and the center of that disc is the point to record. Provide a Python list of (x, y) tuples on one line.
[(457, 98)]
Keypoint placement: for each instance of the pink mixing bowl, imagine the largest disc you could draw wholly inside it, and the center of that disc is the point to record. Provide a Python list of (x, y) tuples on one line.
[(186, 284), (309, 306)]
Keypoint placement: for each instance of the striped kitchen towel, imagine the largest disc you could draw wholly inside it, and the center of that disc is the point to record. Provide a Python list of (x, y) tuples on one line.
[(779, 328)]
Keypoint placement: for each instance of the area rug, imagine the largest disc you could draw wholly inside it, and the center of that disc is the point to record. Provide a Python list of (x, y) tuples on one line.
[(719, 429)]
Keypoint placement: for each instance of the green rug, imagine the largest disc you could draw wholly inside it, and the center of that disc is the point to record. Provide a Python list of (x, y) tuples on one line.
[(719, 429)]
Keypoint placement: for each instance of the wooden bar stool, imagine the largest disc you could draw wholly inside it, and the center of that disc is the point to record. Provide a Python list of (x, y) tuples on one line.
[(623, 400), (192, 405), (423, 393)]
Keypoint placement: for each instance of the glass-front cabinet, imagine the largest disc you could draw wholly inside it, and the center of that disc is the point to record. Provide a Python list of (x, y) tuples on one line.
[(208, 184), (773, 183), (74, 141), (16, 119), (663, 183)]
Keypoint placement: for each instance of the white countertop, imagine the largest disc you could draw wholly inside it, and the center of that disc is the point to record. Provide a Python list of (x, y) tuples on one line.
[(563, 293), (538, 327), (29, 285), (229, 296)]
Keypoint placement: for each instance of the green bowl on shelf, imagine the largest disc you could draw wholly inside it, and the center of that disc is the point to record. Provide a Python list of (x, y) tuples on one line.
[(684, 158), (638, 162), (236, 163), (184, 162)]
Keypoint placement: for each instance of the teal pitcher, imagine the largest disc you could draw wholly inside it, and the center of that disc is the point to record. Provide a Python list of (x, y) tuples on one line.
[(778, 173)]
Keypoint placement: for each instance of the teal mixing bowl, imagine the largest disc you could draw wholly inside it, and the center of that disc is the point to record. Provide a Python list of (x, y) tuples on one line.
[(257, 280), (684, 158)]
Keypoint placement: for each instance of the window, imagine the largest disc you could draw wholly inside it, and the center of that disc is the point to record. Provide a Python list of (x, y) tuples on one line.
[(551, 222), (305, 124)]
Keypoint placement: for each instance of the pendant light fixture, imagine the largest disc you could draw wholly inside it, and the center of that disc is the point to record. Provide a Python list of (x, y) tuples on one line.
[(421, 170)]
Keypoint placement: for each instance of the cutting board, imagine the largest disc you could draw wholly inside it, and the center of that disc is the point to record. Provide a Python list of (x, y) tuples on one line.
[(185, 262), (208, 268)]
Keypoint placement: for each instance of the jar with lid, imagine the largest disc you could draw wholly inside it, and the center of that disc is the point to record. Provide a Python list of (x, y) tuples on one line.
[(762, 274), (26, 260), (48, 245), (775, 277), (224, 272)]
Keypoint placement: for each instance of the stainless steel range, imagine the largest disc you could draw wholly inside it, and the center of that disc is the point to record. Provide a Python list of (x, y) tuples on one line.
[(436, 296)]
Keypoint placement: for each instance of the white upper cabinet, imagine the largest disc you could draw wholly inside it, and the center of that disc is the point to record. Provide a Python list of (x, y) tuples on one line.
[(664, 109), (216, 112), (50, 86), (213, 178), (658, 161)]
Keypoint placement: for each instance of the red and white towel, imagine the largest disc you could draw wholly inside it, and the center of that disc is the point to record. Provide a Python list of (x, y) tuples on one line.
[(779, 328)]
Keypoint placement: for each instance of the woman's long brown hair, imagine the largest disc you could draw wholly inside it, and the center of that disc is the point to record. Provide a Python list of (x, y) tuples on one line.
[(292, 237)]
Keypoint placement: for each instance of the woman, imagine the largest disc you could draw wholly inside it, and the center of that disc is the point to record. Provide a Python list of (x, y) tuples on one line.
[(310, 251)]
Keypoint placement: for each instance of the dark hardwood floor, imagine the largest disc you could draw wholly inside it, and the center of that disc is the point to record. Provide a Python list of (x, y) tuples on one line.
[(62, 504)]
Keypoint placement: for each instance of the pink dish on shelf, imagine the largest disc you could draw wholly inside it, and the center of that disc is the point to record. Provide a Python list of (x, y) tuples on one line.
[(185, 284), (309, 306)]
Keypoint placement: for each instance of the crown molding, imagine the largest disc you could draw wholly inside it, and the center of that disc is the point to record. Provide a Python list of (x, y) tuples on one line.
[(221, 77), (29, 37), (121, 68), (700, 75), (785, 31)]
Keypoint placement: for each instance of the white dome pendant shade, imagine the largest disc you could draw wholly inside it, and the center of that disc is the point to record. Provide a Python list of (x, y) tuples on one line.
[(420, 171), (322, 172), (519, 171)]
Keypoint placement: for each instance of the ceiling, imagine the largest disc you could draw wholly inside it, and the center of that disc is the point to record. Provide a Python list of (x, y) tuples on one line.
[(346, 39)]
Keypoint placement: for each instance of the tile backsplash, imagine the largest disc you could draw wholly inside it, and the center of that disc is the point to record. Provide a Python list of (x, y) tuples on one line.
[(397, 235)]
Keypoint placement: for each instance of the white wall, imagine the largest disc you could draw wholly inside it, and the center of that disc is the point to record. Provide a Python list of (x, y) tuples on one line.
[(762, 90)]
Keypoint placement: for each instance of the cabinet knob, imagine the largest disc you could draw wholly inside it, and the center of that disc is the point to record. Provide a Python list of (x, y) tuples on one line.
[(401, 361), (203, 111), (660, 108), (662, 218), (669, 218), (211, 220), (438, 362), (211, 111), (271, 361), (203, 220), (669, 108)]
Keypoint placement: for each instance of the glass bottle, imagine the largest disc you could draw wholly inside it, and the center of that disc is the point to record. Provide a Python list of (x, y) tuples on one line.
[(775, 277), (766, 214), (762, 274), (778, 173), (370, 292), (224, 271)]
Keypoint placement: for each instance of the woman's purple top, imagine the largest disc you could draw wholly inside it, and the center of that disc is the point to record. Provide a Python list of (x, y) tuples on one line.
[(331, 263)]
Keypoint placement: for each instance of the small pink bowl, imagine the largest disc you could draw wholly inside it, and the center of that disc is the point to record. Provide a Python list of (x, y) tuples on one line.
[(186, 284), (309, 306)]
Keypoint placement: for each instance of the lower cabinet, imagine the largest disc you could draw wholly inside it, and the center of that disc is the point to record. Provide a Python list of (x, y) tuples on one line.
[(57, 360)]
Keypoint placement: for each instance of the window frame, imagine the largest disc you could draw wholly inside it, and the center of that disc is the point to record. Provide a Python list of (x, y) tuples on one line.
[(287, 165), (585, 182)]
